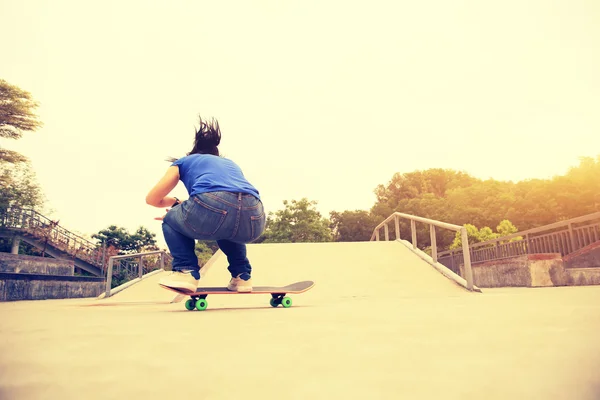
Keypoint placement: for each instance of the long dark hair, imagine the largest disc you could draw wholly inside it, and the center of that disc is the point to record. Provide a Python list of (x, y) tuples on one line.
[(206, 138)]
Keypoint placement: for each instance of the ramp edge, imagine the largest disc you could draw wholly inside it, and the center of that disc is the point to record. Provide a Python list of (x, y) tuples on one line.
[(130, 283), (438, 266)]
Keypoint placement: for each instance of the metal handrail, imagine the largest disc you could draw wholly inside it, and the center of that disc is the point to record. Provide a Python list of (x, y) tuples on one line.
[(562, 237), (36, 224), (432, 224), (112, 259), (41, 217)]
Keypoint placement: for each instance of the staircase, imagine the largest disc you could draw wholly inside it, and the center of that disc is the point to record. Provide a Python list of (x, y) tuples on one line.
[(46, 235)]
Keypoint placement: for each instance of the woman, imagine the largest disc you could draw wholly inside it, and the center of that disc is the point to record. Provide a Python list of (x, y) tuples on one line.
[(222, 206)]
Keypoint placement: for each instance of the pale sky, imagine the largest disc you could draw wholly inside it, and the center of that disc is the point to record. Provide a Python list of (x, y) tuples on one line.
[(317, 99)]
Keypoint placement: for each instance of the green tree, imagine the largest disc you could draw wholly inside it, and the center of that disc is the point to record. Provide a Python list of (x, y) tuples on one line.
[(484, 234), (16, 116), (578, 191), (473, 236), (204, 252), (19, 187), (125, 242), (505, 228), (352, 226), (458, 198), (298, 222), (414, 185)]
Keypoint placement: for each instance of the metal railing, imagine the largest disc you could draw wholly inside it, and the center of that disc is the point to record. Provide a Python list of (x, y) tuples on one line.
[(140, 265), (562, 237), (432, 224), (33, 223)]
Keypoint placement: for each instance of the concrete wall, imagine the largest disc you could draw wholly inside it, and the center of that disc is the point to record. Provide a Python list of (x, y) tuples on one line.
[(40, 287), (583, 276), (35, 265), (533, 270), (586, 257)]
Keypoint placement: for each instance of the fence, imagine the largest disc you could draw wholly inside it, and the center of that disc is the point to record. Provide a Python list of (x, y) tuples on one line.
[(432, 225), (139, 265), (35, 224), (562, 237)]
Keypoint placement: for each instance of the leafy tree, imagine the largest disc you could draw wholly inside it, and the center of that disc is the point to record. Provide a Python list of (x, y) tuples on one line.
[(19, 187), (16, 116), (484, 234), (578, 191), (458, 198), (505, 228), (413, 185), (473, 236), (203, 252), (125, 242), (352, 226), (298, 222)]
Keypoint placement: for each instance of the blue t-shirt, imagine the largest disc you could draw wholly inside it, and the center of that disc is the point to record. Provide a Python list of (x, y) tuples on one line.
[(201, 173)]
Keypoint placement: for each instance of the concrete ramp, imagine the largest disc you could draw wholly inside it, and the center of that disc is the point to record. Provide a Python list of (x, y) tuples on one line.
[(381, 323), (341, 271)]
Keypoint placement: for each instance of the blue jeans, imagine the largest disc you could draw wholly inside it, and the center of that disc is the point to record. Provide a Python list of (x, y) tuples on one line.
[(232, 219)]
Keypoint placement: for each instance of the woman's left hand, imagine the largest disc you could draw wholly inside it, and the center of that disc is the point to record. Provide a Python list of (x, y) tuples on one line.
[(161, 218)]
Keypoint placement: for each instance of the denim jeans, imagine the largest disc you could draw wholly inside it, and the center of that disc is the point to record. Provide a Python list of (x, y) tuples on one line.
[(232, 219)]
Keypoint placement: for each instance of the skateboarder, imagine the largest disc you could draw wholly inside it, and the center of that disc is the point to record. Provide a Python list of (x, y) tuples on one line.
[(222, 206)]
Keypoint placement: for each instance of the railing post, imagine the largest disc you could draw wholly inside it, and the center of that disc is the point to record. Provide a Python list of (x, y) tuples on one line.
[(103, 253), (397, 226), (467, 258), (162, 260), (377, 235), (413, 232), (572, 236), (433, 243), (109, 277), (497, 249), (15, 245), (387, 232), (141, 266)]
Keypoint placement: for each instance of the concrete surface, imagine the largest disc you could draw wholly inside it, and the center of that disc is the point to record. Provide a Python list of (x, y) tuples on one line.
[(19, 263), (14, 287), (380, 324), (532, 270)]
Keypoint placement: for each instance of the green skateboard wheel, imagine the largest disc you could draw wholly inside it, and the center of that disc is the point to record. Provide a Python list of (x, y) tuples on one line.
[(190, 304), (286, 302), (201, 304), (274, 302)]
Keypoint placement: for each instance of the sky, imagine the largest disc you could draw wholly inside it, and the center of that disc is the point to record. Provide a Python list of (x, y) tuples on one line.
[(317, 99)]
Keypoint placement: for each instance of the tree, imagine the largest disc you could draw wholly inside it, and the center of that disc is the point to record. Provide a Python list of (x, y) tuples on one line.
[(484, 234), (352, 226), (473, 236), (298, 222), (460, 199), (16, 116), (505, 228), (203, 252), (18, 186), (125, 242), (414, 185), (578, 191)]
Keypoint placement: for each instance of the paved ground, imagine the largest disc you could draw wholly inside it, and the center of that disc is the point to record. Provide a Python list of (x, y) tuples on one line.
[(380, 324)]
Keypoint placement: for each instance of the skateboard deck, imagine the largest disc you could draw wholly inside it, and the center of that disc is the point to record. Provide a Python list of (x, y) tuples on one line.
[(197, 300)]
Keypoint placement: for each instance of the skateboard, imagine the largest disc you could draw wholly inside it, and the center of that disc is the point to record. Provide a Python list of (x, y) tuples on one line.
[(198, 300)]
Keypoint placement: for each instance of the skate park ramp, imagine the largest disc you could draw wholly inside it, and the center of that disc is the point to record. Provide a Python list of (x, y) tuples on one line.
[(341, 271), (380, 324)]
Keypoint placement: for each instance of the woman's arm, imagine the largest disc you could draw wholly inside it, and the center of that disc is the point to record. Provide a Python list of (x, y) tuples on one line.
[(157, 197)]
